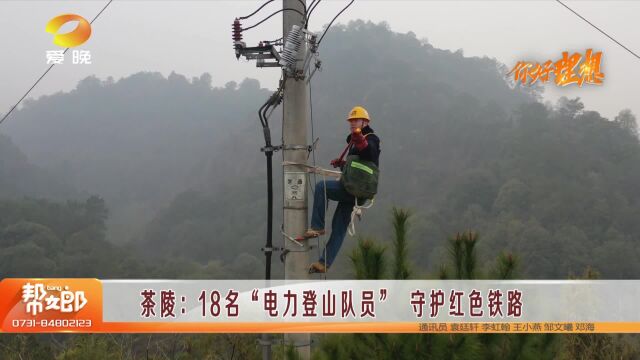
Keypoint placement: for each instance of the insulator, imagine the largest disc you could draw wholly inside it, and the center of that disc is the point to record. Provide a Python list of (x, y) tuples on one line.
[(236, 34), (292, 44)]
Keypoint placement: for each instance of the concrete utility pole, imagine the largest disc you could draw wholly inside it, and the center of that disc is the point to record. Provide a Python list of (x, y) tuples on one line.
[(294, 138)]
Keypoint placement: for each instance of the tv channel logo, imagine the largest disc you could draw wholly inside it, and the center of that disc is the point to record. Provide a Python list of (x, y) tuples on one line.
[(72, 39)]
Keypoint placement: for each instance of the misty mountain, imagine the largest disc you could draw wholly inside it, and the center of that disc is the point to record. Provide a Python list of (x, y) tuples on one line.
[(179, 166), (19, 177), (137, 141)]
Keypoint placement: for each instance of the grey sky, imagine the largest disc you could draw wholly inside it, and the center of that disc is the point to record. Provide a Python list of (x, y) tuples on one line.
[(195, 37)]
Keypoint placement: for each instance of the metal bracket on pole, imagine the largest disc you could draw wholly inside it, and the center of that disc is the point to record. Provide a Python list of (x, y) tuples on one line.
[(283, 255), (275, 248), (271, 249), (259, 53), (271, 148), (308, 148), (297, 147)]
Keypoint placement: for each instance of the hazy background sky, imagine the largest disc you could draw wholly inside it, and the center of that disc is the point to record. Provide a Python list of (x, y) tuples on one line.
[(193, 37)]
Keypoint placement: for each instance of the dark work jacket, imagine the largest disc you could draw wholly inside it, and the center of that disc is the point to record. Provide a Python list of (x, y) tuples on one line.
[(372, 151)]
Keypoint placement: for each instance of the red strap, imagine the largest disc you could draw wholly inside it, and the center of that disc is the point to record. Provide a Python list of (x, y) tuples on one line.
[(344, 152)]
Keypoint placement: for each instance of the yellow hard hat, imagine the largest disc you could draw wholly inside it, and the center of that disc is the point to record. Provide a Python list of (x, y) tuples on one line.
[(358, 112)]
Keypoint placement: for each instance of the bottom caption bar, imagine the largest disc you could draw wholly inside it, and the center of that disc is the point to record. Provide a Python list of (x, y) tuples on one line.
[(343, 306)]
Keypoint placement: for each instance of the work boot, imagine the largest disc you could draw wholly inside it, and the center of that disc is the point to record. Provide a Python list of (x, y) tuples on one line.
[(312, 233), (318, 267)]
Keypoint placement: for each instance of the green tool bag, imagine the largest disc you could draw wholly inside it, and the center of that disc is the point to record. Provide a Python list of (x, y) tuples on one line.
[(360, 177)]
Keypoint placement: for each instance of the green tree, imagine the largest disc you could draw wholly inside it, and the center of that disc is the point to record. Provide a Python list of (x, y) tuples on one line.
[(627, 120), (506, 266), (462, 249), (400, 221), (90, 347), (26, 260), (368, 260), (25, 347), (569, 108)]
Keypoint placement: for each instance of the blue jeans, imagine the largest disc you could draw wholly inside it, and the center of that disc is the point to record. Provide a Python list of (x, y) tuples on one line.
[(341, 218)]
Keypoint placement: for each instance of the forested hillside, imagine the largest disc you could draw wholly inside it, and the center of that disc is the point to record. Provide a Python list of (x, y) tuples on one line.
[(19, 177), (177, 162), (154, 177)]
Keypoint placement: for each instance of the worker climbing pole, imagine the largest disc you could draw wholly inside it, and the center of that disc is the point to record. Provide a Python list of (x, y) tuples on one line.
[(357, 185)]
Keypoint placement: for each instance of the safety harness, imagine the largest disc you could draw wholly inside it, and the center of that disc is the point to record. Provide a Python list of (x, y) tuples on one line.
[(360, 179)]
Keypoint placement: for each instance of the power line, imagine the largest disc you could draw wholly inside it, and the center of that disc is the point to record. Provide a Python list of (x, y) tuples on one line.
[(267, 3), (274, 13), (312, 7), (253, 13), (334, 19), (274, 41), (100, 13), (313, 138), (313, 3), (304, 6), (597, 28), (46, 71), (28, 91)]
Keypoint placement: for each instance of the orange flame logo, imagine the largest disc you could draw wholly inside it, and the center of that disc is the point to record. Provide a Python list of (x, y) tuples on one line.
[(71, 39)]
